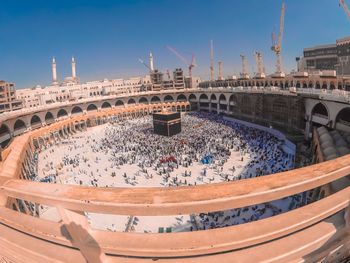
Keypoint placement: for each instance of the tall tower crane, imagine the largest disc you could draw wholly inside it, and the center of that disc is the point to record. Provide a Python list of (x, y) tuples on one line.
[(221, 76), (143, 63), (277, 46), (211, 60), (190, 65), (166, 70), (259, 65), (345, 7), (244, 74)]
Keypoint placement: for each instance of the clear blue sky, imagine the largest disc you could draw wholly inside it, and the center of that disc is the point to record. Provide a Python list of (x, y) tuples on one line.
[(107, 37)]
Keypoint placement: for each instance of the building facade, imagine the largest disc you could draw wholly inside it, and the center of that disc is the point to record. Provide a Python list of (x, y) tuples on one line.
[(327, 57), (39, 96), (8, 100)]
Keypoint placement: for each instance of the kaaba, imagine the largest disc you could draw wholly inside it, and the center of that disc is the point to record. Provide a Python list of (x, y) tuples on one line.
[(167, 123)]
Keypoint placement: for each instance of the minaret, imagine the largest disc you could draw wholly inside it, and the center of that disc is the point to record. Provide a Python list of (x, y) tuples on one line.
[(74, 73), (151, 66), (54, 72)]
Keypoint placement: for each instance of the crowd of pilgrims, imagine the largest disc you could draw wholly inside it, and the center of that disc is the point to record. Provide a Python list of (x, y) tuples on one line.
[(207, 139), (251, 213)]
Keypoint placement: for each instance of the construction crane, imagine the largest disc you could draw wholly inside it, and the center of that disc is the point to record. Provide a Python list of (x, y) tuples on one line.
[(345, 7), (190, 65), (166, 70), (277, 46), (259, 65), (211, 60), (221, 76), (244, 74), (143, 63)]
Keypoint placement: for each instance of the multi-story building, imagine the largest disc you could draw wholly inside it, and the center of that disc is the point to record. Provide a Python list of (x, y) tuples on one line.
[(327, 57), (71, 89), (156, 79), (38, 96), (179, 79), (343, 49), (8, 101)]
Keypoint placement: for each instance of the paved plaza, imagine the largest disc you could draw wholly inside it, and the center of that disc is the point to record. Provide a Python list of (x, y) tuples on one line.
[(128, 154)]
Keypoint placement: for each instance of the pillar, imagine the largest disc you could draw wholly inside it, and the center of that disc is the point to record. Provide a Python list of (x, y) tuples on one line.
[(74, 75), (54, 72)]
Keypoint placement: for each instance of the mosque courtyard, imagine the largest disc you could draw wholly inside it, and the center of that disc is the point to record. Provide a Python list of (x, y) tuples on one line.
[(128, 154)]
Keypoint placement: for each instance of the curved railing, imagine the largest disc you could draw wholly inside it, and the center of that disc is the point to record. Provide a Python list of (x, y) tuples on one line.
[(311, 233)]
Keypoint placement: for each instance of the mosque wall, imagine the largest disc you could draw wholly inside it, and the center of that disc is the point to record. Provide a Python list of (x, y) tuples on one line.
[(284, 110)]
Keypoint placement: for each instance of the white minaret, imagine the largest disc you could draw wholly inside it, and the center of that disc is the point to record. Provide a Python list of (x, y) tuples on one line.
[(54, 71), (151, 66), (74, 73)]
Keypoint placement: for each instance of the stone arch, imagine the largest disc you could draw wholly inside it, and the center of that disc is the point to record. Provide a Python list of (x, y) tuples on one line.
[(318, 85), (320, 110), (298, 85), (88, 123), (155, 99), (346, 86), (222, 97), (119, 103), (233, 99), (181, 97), (5, 135), (311, 85), (203, 97), (213, 97), (331, 85), (49, 118), (76, 110), (168, 98), (222, 103), (106, 105), (343, 116), (62, 113), (91, 107), (35, 120), (192, 97), (324, 85), (143, 100), (19, 124), (131, 101)]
